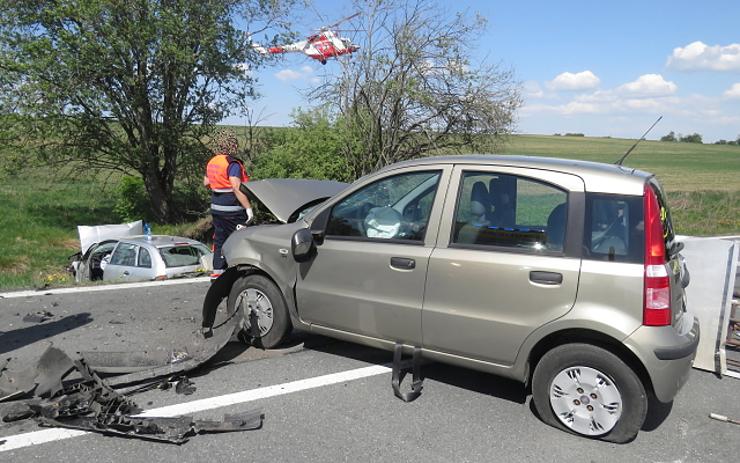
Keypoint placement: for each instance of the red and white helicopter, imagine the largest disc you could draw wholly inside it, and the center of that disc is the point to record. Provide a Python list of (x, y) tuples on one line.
[(324, 44)]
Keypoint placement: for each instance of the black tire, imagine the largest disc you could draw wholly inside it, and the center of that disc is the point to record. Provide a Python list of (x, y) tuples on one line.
[(631, 389), (280, 321)]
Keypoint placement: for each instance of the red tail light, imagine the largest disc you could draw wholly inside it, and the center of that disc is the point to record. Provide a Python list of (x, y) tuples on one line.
[(657, 293)]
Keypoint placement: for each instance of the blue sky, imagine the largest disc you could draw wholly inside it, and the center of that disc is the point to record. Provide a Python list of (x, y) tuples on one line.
[(600, 68)]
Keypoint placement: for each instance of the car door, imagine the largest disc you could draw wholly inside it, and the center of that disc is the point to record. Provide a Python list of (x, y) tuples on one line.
[(122, 262), (507, 260), (369, 272)]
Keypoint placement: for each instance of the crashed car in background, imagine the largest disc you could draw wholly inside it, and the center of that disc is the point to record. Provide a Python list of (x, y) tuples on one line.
[(139, 258)]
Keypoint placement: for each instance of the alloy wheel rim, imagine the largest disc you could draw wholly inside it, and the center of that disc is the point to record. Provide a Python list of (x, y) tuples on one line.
[(586, 400), (254, 301)]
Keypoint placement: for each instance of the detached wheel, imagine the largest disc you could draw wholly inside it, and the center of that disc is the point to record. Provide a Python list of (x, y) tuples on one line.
[(590, 392), (261, 302)]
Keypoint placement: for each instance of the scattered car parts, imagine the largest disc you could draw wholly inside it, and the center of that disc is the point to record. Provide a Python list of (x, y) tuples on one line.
[(68, 393), (38, 317), (60, 391)]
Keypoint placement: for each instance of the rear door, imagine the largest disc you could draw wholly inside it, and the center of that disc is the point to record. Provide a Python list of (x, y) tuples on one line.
[(506, 260)]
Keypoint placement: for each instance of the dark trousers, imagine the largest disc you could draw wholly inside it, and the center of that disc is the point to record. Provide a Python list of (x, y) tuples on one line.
[(224, 225)]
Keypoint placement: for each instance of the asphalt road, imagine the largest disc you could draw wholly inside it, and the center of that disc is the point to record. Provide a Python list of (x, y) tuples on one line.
[(462, 415)]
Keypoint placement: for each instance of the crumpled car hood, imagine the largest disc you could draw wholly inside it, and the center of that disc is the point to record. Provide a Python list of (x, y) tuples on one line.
[(285, 196)]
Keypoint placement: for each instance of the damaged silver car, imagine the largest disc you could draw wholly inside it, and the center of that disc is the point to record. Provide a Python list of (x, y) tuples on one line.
[(141, 258), (561, 274)]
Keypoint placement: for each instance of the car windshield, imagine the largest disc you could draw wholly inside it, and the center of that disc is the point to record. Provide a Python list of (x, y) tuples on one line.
[(183, 254)]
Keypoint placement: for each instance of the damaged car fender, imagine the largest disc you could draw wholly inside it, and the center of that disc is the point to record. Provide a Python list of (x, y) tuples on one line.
[(266, 249)]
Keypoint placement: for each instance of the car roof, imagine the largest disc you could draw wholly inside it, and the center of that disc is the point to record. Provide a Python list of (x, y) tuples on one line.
[(160, 241), (598, 177)]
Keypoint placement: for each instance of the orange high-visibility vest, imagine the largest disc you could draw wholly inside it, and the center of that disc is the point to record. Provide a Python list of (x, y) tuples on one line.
[(217, 171)]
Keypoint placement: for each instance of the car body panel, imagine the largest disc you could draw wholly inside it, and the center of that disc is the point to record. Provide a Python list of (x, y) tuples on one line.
[(350, 284), (667, 376), (489, 290), (598, 177), (283, 197), (266, 248)]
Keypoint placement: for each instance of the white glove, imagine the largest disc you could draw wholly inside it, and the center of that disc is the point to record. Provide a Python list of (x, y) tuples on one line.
[(250, 215)]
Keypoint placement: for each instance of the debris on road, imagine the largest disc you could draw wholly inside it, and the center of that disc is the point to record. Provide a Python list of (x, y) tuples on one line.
[(718, 417), (38, 317), (59, 391), (68, 393)]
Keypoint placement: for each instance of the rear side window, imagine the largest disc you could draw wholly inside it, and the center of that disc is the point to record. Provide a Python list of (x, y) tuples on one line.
[(510, 211), (614, 228), (145, 260), (665, 215), (182, 255)]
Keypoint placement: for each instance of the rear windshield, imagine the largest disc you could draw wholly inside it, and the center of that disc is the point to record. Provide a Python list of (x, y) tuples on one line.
[(614, 228), (182, 255)]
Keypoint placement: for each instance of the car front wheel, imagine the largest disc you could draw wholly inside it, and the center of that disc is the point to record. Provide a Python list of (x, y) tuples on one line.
[(261, 304), (589, 391)]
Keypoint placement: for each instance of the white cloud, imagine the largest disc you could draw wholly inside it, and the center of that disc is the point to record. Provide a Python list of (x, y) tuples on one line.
[(305, 73), (584, 80), (733, 91), (698, 55), (532, 89), (288, 74), (648, 85)]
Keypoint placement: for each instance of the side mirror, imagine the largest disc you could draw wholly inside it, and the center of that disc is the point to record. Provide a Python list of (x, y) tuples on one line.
[(318, 226), (302, 245)]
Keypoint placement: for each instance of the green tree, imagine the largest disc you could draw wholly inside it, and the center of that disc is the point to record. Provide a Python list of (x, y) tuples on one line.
[(413, 88), (693, 138), (671, 136), (128, 86), (311, 149)]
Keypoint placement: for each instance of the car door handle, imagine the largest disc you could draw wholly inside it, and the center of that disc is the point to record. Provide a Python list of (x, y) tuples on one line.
[(403, 263), (546, 278), (125, 273)]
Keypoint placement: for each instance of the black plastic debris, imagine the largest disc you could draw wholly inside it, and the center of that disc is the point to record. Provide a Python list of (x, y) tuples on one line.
[(68, 393), (184, 386), (38, 317), (146, 366)]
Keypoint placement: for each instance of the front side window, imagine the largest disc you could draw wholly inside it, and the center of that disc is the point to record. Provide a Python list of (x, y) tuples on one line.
[(125, 254), (394, 208), (510, 211)]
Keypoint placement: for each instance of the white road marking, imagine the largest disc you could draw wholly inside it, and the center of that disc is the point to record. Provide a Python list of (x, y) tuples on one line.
[(90, 289), (55, 434)]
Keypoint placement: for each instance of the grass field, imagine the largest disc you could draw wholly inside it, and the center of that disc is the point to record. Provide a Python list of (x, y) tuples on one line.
[(39, 213)]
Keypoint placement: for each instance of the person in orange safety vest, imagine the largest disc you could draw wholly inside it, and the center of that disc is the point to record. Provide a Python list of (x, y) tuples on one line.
[(229, 205)]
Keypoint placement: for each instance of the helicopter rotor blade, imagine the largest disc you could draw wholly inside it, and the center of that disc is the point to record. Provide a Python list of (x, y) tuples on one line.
[(332, 26)]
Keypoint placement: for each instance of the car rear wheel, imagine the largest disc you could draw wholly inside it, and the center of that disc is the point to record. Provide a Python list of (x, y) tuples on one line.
[(261, 303), (589, 391)]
